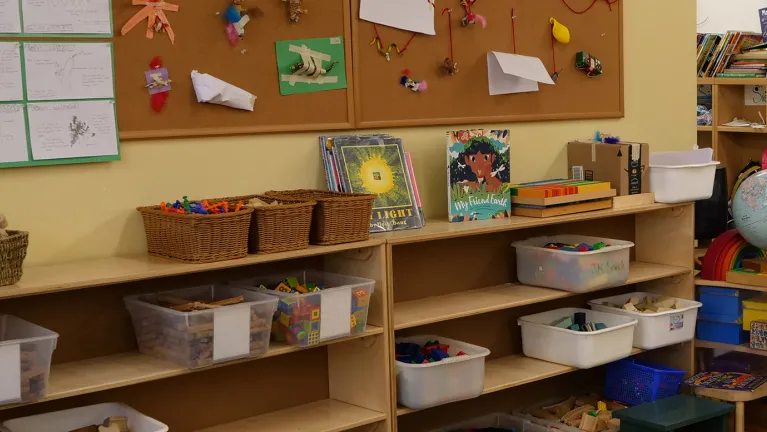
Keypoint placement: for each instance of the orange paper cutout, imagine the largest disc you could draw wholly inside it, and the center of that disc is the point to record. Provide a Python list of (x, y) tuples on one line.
[(153, 12)]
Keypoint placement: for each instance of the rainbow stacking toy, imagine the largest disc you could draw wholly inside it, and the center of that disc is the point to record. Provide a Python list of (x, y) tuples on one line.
[(726, 253)]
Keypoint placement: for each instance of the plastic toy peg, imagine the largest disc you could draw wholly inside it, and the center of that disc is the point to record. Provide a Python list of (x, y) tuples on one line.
[(315, 314), (283, 288), (302, 289), (315, 289), (285, 319), (314, 338), (163, 206), (560, 32), (353, 320), (310, 285), (460, 353), (292, 282)]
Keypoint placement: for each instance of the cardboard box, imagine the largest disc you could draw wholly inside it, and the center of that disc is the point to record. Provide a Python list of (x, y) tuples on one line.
[(625, 165)]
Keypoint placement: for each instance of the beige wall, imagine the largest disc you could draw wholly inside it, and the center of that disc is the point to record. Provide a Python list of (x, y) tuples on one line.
[(84, 211)]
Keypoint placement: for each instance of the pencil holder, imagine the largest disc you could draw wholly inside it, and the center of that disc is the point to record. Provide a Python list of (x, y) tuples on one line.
[(338, 217), (13, 250)]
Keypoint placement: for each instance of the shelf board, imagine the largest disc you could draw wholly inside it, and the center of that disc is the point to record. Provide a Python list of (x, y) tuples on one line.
[(443, 230), (516, 370), (458, 305), (322, 416), (705, 81), (740, 81), (114, 270), (724, 284), (121, 370), (723, 346), (745, 129), (705, 128)]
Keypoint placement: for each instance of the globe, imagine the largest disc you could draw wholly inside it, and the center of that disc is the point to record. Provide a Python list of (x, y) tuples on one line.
[(749, 208)]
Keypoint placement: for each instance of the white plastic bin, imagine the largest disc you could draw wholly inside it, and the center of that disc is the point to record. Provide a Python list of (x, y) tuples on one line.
[(201, 338), (25, 360), (572, 271), (71, 419), (682, 176), (308, 319), (582, 350), (421, 386), (655, 330), (501, 421)]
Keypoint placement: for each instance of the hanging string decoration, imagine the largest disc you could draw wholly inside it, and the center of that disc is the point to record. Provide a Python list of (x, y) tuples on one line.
[(449, 66), (610, 4), (561, 34), (514, 30), (387, 52), (410, 83), (469, 16)]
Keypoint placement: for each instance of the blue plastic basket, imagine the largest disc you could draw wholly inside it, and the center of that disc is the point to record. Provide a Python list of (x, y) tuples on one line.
[(635, 382)]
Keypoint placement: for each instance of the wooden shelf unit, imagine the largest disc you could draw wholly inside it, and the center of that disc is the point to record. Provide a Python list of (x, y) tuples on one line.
[(723, 346), (725, 284)]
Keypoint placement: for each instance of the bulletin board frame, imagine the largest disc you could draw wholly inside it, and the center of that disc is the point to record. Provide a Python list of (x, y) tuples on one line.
[(365, 58)]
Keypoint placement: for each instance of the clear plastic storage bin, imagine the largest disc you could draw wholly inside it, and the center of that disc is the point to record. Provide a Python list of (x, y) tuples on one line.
[(572, 271), (25, 360), (499, 421), (655, 330), (583, 350), (201, 338), (77, 418), (421, 386), (308, 319)]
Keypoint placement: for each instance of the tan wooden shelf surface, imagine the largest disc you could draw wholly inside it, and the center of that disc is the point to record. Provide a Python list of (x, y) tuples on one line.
[(723, 346), (744, 129), (724, 284), (322, 416), (458, 305), (705, 128)]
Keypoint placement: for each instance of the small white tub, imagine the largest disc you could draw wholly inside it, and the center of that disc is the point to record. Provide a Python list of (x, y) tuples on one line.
[(77, 418), (582, 350), (573, 271), (655, 330), (682, 176), (421, 386)]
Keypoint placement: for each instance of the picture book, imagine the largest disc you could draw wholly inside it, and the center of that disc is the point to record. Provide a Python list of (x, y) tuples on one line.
[(478, 173), (377, 165), (726, 381)]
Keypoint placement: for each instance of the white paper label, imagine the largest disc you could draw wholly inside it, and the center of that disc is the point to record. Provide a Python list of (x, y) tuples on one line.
[(13, 134), (231, 332), (67, 16), (68, 71), (10, 373), (675, 322), (335, 313)]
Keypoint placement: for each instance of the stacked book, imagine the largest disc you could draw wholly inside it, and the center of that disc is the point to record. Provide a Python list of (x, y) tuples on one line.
[(375, 164), (732, 55)]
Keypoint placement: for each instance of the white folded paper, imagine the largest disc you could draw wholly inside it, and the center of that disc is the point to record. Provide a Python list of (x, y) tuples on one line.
[(412, 15), (213, 90), (512, 73)]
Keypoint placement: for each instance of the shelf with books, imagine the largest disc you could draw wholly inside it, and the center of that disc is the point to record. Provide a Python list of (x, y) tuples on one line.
[(723, 346), (705, 128), (745, 129)]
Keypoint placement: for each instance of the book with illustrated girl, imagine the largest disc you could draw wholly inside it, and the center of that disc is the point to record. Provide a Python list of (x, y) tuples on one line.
[(478, 172)]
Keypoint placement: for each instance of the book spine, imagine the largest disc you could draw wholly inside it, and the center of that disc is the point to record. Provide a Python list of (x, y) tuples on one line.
[(738, 75), (413, 180)]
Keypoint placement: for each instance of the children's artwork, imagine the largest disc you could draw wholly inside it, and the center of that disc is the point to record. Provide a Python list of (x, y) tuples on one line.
[(56, 71), (92, 17), (588, 64), (753, 95), (13, 134), (513, 73), (210, 89), (411, 84), (60, 130), (238, 15), (478, 164), (11, 87), (470, 17), (295, 10), (416, 16), (311, 65), (158, 83), (157, 22), (10, 18)]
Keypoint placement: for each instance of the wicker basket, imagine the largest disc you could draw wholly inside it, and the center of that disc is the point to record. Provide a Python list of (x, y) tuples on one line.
[(13, 250), (338, 217), (196, 238), (281, 227)]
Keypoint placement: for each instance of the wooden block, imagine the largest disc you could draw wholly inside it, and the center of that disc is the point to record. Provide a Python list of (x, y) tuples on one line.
[(588, 423), (746, 278), (758, 265), (563, 210)]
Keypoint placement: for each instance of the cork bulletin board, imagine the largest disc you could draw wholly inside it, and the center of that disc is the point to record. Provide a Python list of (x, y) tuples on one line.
[(464, 98), (201, 44)]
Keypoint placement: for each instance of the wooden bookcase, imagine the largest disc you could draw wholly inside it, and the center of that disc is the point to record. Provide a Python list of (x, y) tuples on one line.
[(452, 280)]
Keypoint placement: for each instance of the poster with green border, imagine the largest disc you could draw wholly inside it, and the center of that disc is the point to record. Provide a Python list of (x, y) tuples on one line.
[(58, 8), (327, 53)]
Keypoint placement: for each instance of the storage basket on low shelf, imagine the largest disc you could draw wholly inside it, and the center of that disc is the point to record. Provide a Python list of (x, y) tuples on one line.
[(339, 217), (13, 250), (29, 349), (278, 228), (76, 418), (636, 382), (196, 238)]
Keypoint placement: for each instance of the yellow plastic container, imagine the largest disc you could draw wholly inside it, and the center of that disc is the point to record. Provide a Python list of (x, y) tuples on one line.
[(754, 309)]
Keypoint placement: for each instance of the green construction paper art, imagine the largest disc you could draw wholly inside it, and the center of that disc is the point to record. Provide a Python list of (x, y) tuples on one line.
[(311, 65)]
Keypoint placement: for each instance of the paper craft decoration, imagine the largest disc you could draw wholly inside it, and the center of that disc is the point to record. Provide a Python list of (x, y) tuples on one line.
[(154, 12), (588, 64), (294, 10), (237, 17), (449, 66), (158, 83), (213, 90), (470, 17), (413, 15), (513, 73), (559, 31), (311, 65), (411, 84)]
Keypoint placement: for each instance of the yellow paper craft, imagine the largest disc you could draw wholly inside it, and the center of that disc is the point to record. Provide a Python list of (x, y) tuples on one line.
[(560, 32), (153, 11)]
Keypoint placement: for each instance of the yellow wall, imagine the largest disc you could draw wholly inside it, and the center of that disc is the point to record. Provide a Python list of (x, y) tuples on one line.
[(84, 211)]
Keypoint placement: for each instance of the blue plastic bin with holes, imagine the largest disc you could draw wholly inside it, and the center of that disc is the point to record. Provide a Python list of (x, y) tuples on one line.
[(635, 382)]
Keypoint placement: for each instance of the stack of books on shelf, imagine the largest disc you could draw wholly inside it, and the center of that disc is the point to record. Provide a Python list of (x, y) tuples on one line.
[(732, 55)]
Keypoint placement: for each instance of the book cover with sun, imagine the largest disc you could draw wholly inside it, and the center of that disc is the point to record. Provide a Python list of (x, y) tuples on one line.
[(478, 166), (381, 169)]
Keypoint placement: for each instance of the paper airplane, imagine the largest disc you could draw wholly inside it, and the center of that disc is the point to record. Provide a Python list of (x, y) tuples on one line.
[(512, 73), (213, 90), (412, 15)]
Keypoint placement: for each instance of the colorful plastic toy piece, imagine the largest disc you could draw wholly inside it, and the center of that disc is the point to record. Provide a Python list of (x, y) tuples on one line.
[(360, 298), (292, 282), (353, 321), (283, 288), (314, 337), (285, 319), (315, 314)]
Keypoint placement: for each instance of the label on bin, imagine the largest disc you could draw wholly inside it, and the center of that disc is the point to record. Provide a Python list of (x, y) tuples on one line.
[(231, 332), (10, 373), (336, 313), (675, 322)]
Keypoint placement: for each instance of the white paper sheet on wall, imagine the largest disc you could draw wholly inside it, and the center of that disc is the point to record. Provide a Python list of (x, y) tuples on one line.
[(13, 134), (11, 87), (61, 130), (56, 71), (231, 332), (10, 19), (335, 313), (10, 373), (412, 15), (512, 73), (67, 16)]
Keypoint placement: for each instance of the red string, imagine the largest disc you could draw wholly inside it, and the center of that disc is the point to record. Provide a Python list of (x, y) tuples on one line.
[(610, 4), (513, 30), (404, 48), (450, 29), (375, 29), (553, 52)]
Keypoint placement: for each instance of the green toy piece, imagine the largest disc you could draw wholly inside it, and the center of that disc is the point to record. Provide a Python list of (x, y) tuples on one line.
[(292, 282)]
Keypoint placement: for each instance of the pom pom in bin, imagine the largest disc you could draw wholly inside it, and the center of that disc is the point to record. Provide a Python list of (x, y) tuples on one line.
[(635, 382)]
